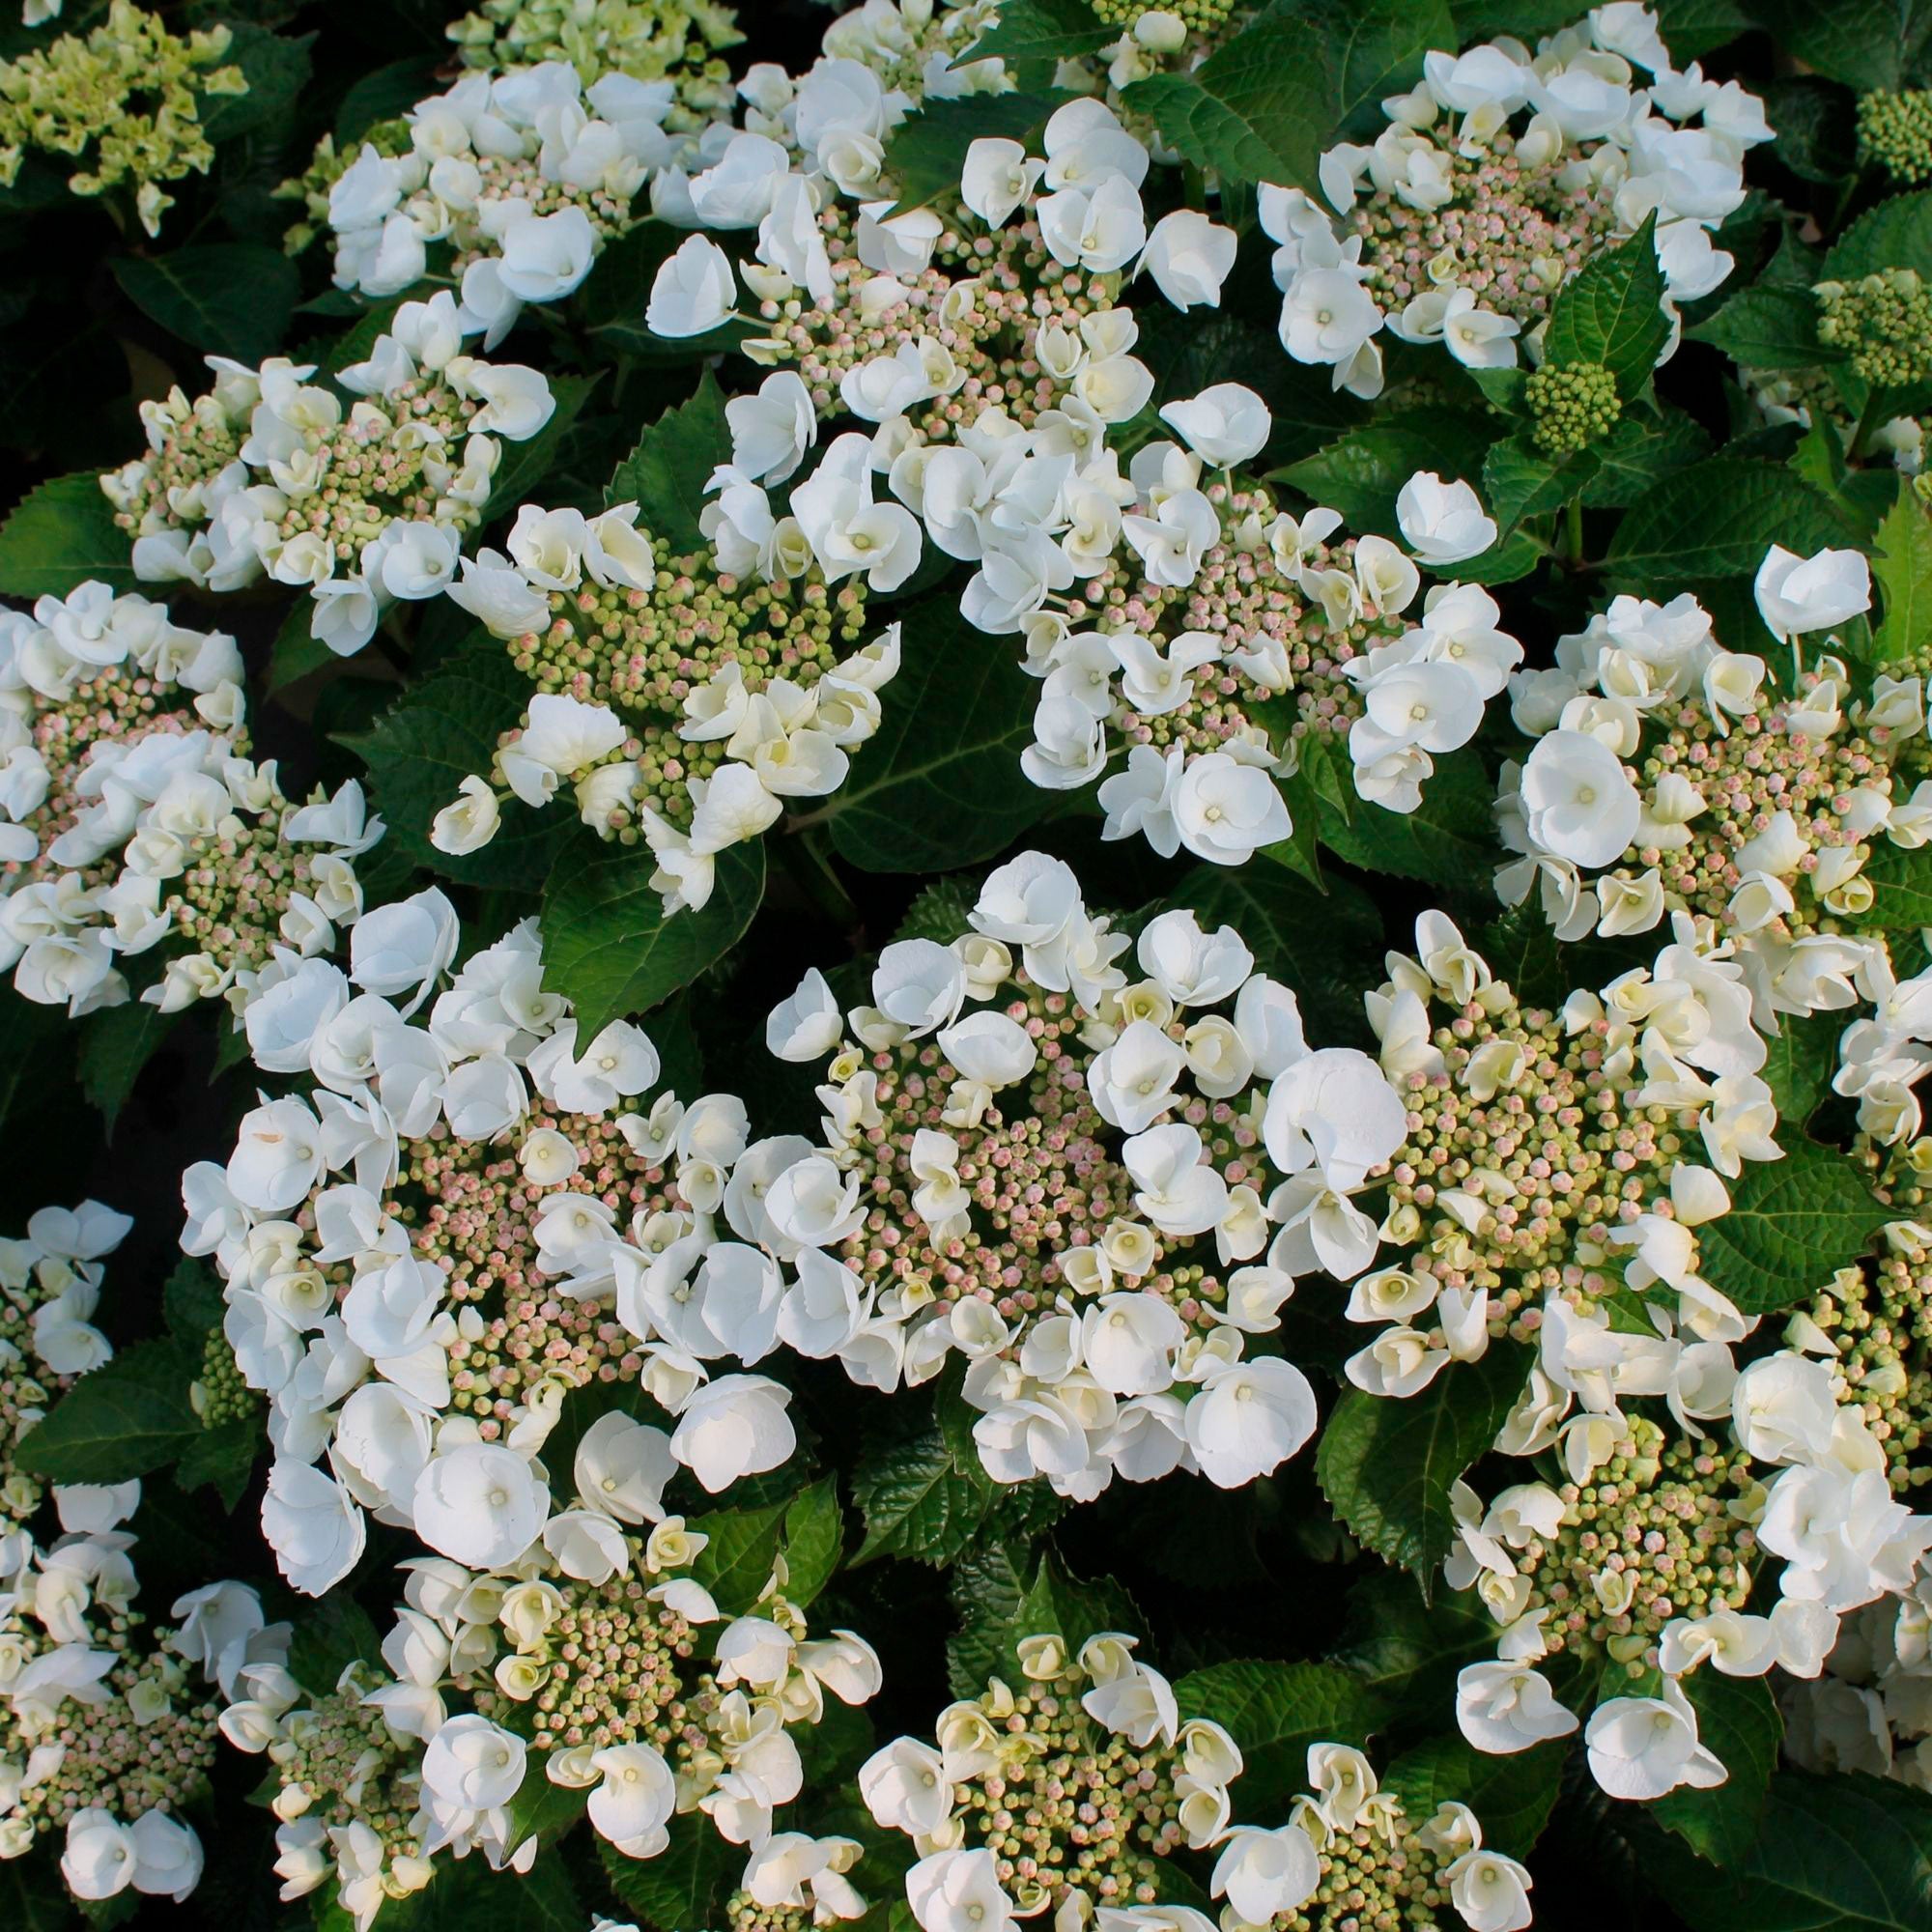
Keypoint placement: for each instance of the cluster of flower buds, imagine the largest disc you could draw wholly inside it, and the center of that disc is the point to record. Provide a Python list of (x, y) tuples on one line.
[(594, 1662), (1093, 1189), (1499, 174), (132, 822), (363, 503)]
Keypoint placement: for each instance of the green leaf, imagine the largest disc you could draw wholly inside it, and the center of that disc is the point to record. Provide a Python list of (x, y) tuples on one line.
[(469, 1897), (684, 1887), (1360, 473), (31, 1895), (1255, 110), (441, 732), (927, 153), (297, 652), (1002, 1597), (1768, 328), (927, 1498), (1448, 840), (1865, 44), (543, 1808), (1374, 49), (330, 1635), (1388, 1466), (665, 475), (1275, 1711), (125, 1418), (1717, 520), (1737, 1719), (1896, 234), (1512, 1796), (1902, 563), (940, 785), (1793, 1222), (1799, 1065), (1842, 1852), (609, 948), (1039, 34), (1639, 451), (815, 1537), (619, 290), (223, 1459), (1611, 311), (277, 71), (60, 536), (115, 1044), (736, 1564), (192, 1303), (385, 95), (1327, 946), (1519, 480), (524, 465), (1901, 882), (225, 299), (1409, 1651)]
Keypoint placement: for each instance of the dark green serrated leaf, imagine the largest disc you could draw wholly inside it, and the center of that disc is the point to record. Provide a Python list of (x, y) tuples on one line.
[(1902, 564), (1512, 1796), (927, 1497), (1276, 1711), (1257, 109), (1639, 451), (1793, 1222), (1862, 42), (123, 1420), (1388, 1466), (1738, 1719), (1519, 480), (385, 95), (1896, 234), (1901, 883), (61, 535), (1768, 328), (541, 1807), (940, 785), (1325, 947), (927, 153), (115, 1046), (736, 1564), (330, 1635), (684, 1887), (665, 475), (815, 1539), (1611, 311), (1448, 840), (524, 465), (1717, 520), (1036, 34), (1361, 473), (438, 733), (1800, 1063), (223, 1459), (225, 299), (1838, 1851), (609, 948)]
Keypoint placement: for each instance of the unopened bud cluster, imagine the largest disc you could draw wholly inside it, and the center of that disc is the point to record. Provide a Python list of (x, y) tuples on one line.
[(1657, 1533), (1883, 323), (1878, 1319), (131, 91), (1575, 405), (1895, 131), (679, 41)]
